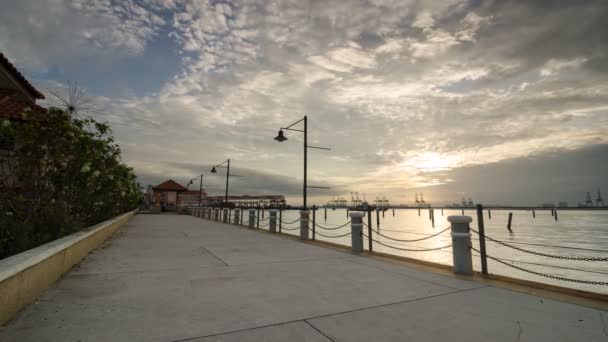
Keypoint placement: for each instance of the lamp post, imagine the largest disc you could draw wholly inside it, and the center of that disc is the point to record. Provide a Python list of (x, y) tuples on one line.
[(200, 189), (281, 137), (227, 162)]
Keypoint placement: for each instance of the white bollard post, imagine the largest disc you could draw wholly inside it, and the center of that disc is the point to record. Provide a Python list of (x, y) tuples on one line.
[(251, 218), (225, 215), (461, 244), (272, 225), (216, 214), (304, 215), (237, 216), (356, 227)]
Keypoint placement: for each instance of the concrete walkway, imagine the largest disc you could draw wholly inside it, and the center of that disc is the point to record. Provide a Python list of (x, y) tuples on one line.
[(175, 278)]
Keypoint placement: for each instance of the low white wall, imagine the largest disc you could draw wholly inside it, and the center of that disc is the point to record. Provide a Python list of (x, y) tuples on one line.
[(23, 277)]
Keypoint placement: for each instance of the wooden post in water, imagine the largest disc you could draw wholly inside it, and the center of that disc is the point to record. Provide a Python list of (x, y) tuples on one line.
[(489, 214), (325, 213), (555, 214), (510, 220), (533, 213), (433, 218), (393, 212), (383, 213), (482, 240), (430, 214), (377, 218), (441, 212), (280, 220), (418, 211)]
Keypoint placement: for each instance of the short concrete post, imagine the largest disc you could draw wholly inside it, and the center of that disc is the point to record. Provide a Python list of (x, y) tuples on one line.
[(272, 225), (304, 218), (225, 215), (237, 216), (461, 244), (356, 228), (216, 214), (251, 218)]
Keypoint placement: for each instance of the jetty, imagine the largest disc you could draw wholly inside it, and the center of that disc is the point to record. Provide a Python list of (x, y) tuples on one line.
[(182, 278)]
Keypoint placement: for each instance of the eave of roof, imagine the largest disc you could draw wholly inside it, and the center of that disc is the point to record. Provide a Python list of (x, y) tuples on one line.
[(19, 77)]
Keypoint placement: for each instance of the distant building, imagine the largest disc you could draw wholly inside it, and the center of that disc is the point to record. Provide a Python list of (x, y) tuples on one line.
[(562, 204), (548, 205), (251, 201), (192, 198)]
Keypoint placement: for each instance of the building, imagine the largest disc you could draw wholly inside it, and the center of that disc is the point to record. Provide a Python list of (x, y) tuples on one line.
[(247, 201), (17, 99), (170, 195), (17, 95)]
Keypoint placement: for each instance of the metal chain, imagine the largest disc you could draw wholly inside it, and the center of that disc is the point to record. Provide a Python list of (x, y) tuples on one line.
[(290, 222), (294, 228), (264, 219), (409, 250), (539, 253), (415, 240), (332, 236), (335, 228), (265, 225), (546, 275)]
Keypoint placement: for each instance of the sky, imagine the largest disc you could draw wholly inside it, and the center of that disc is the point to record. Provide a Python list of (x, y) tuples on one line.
[(502, 101)]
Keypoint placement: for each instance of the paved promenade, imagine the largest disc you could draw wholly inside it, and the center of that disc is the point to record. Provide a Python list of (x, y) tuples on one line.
[(177, 278)]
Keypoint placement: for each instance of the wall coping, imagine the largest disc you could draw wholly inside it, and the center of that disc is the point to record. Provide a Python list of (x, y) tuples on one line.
[(19, 262)]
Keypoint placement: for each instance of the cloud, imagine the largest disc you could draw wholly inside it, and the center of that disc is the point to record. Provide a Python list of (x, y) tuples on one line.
[(406, 93)]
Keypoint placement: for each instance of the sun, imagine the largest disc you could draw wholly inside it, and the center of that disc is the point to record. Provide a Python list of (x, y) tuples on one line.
[(432, 162)]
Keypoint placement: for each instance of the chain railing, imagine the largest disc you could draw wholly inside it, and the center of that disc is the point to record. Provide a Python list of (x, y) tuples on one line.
[(332, 236), (502, 243), (546, 275), (409, 249), (332, 228), (413, 240)]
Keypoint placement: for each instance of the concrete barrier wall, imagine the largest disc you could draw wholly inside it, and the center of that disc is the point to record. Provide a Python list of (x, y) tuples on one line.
[(23, 277)]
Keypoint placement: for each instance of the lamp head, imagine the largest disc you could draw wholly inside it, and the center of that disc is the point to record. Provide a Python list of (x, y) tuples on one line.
[(280, 137), (213, 170)]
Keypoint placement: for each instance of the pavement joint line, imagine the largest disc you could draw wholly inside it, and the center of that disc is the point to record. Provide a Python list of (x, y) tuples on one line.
[(413, 277), (319, 330), (327, 315), (215, 256)]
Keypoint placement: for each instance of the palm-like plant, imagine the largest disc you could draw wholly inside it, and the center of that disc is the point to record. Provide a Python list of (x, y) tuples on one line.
[(74, 101)]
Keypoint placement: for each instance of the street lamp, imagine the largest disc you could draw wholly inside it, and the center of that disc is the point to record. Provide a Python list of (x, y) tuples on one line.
[(281, 137), (213, 170), (200, 189)]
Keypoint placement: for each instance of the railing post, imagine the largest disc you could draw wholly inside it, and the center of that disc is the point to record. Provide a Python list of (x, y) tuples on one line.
[(482, 240), (314, 222), (251, 218), (280, 220), (272, 225), (241, 220), (216, 214), (225, 215), (461, 244), (257, 224), (304, 215), (369, 231), (356, 227), (237, 216)]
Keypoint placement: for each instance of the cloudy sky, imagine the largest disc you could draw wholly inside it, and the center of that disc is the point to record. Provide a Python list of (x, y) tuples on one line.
[(502, 101)]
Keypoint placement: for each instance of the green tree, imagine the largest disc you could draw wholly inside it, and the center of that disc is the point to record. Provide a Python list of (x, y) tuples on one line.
[(59, 176)]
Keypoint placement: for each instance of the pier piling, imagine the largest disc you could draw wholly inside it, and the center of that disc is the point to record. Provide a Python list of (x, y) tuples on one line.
[(533, 213), (377, 219), (369, 231), (356, 226), (555, 214), (314, 221), (272, 225), (461, 242), (325, 214), (510, 221), (280, 220), (304, 217)]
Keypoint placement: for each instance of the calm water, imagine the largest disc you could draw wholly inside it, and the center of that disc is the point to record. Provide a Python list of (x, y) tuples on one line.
[(580, 229)]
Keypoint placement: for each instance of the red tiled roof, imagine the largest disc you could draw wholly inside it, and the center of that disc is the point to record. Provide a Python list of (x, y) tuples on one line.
[(17, 109), (19, 77), (169, 185)]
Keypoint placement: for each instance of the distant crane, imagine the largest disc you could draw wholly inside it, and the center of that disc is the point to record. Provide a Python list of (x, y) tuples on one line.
[(599, 201), (589, 201)]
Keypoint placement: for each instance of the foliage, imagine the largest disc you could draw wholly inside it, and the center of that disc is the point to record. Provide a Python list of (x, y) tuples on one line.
[(60, 176)]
